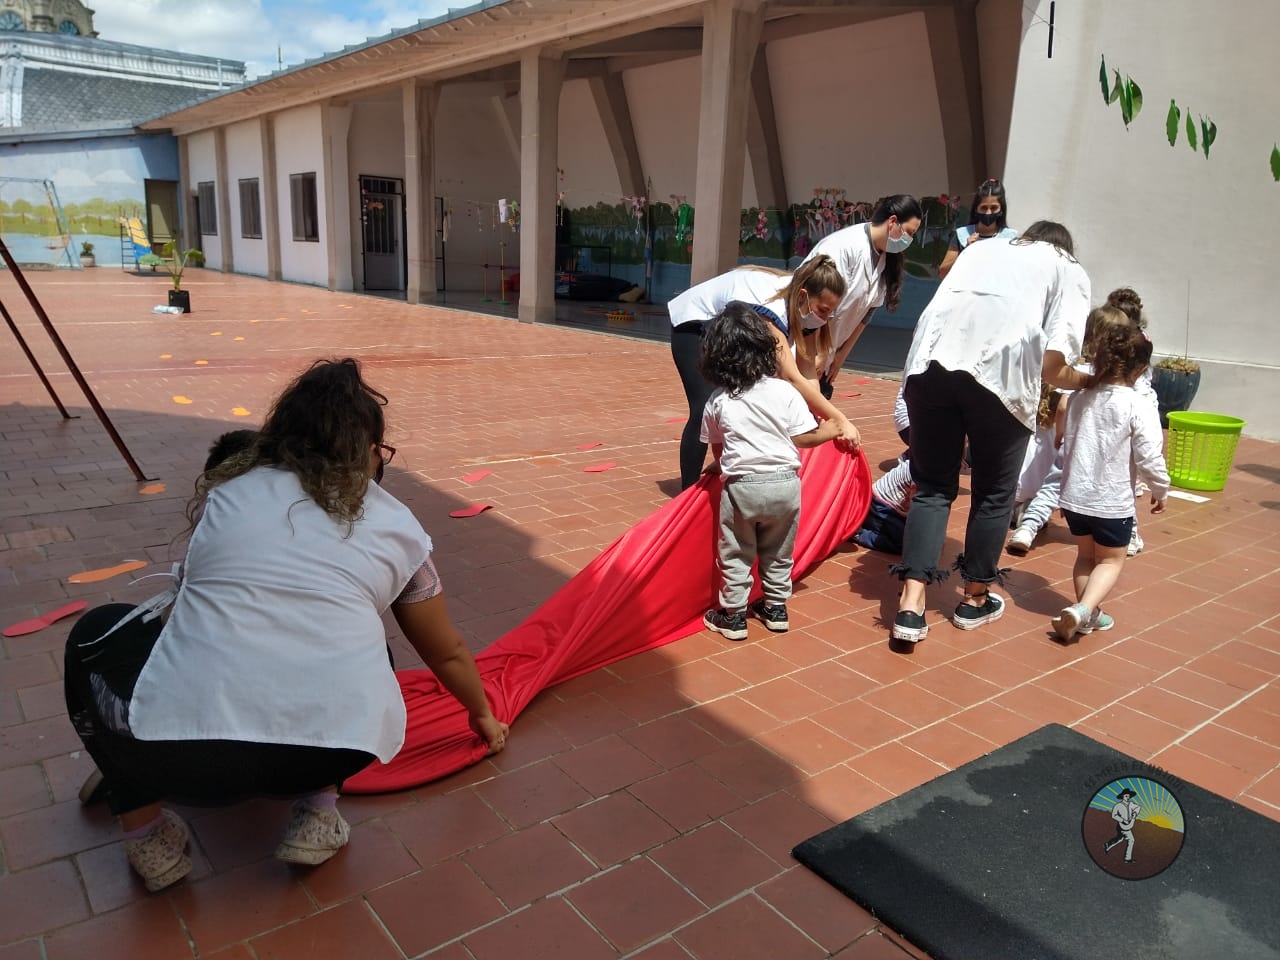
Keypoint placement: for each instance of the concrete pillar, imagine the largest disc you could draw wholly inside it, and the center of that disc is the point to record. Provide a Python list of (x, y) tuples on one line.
[(610, 97), (419, 102), (730, 35), (540, 79), (762, 138), (222, 188), (953, 47), (186, 189), (270, 195), (335, 124)]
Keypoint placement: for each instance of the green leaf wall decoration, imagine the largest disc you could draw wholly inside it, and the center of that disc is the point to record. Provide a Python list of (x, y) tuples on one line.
[(1275, 162), (1116, 87), (1102, 79), (1133, 94), (1208, 133), (1191, 130), (1172, 123)]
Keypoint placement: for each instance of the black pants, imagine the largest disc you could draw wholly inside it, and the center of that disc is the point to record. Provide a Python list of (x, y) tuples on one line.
[(945, 406), (191, 772), (686, 346)]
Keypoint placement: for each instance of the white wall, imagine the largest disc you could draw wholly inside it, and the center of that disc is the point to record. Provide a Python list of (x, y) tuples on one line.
[(244, 161), (1164, 220), (299, 149), (203, 167), (999, 42), (474, 162), (375, 149), (590, 175), (665, 100), (857, 108)]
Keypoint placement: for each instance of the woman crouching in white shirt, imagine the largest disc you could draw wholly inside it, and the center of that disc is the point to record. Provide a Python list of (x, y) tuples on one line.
[(1010, 313), (270, 676)]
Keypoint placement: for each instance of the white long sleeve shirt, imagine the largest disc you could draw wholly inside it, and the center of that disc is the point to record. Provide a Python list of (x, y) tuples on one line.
[(1108, 427)]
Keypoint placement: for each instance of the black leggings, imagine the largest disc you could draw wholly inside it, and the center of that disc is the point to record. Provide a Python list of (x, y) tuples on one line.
[(686, 346), (191, 772)]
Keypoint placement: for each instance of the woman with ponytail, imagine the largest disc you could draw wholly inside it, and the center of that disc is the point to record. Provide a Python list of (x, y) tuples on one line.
[(796, 308), (870, 258)]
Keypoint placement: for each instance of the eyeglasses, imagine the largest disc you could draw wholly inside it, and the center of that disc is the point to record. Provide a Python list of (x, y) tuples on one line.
[(386, 452)]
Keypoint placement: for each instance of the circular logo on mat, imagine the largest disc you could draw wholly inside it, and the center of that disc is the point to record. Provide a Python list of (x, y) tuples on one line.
[(1133, 828)]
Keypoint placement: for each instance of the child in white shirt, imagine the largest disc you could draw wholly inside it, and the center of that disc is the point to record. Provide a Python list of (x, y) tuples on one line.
[(754, 422), (1108, 426)]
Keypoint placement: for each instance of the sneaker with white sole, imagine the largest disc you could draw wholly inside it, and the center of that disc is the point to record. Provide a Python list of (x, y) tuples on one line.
[(969, 616), (313, 835), (160, 857), (1102, 622), (1135, 544), (1020, 540), (909, 627), (731, 626), (772, 615), (1067, 624)]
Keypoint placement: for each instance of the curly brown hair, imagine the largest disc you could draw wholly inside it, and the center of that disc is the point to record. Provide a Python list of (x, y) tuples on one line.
[(737, 349), (1119, 352), (322, 428), (1099, 319), (1127, 301)]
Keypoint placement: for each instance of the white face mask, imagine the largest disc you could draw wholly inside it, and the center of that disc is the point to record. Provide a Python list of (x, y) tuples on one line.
[(899, 243)]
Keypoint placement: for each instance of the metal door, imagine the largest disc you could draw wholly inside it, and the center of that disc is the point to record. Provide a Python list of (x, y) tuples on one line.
[(382, 230)]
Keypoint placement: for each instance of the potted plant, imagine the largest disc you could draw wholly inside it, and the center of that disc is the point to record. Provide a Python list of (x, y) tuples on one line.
[(87, 259), (1175, 381), (175, 264)]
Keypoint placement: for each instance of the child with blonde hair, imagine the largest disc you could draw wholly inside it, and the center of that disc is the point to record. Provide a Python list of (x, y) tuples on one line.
[(1108, 427)]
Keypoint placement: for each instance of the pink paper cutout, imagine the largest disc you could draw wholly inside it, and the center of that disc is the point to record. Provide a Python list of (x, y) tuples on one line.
[(24, 627), (859, 383), (599, 468), (472, 511), (478, 475)]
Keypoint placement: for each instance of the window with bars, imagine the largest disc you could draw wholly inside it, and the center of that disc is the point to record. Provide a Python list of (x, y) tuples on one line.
[(208, 209), (250, 209), (302, 196)]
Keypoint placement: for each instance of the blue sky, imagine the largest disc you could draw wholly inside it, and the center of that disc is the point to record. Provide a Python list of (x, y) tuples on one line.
[(251, 30)]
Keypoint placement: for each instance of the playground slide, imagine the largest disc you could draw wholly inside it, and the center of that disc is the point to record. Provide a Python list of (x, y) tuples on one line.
[(138, 235)]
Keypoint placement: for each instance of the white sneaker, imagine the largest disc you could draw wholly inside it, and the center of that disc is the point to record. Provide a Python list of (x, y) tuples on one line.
[(1020, 540), (1135, 545), (313, 835)]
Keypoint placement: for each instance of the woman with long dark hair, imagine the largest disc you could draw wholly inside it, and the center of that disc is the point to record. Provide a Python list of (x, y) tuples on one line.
[(870, 258), (988, 218), (1010, 314), (796, 307), (270, 676)]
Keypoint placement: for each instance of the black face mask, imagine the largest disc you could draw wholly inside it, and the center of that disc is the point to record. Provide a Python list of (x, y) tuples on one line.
[(987, 219)]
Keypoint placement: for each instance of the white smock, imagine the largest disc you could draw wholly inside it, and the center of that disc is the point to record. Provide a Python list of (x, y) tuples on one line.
[(862, 267), (276, 634), (1002, 306), (707, 299)]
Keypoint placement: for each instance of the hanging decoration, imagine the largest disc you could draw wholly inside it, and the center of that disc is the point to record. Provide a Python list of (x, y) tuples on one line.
[(513, 215), (762, 225), (637, 205), (684, 217)]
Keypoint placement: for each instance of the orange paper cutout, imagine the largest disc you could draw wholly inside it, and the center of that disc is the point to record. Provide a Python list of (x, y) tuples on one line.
[(152, 488), (181, 399), (240, 411), (106, 573)]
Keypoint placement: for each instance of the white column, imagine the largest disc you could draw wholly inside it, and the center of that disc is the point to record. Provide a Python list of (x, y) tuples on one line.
[(730, 35), (335, 123), (270, 195), (419, 103), (540, 79), (190, 240), (222, 187)]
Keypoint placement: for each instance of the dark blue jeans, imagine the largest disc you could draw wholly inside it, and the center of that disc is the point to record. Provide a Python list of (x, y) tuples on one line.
[(945, 406)]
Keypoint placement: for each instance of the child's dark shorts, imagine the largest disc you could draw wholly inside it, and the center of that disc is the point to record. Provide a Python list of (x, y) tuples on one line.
[(1106, 531)]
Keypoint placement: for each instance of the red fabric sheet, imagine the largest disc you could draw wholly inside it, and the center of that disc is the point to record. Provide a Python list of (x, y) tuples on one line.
[(649, 588)]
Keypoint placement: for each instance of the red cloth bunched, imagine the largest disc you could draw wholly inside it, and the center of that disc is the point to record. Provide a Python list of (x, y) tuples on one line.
[(649, 588)]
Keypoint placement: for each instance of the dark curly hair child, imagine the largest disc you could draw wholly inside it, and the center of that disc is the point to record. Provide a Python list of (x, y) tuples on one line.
[(737, 349)]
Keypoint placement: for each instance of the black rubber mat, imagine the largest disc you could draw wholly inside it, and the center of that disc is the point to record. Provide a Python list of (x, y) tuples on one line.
[(1024, 853)]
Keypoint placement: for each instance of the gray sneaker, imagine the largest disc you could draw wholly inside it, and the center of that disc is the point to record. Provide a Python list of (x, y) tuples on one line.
[(772, 615), (731, 626)]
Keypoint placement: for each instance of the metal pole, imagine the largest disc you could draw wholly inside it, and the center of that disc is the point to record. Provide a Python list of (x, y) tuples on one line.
[(34, 363), (71, 363)]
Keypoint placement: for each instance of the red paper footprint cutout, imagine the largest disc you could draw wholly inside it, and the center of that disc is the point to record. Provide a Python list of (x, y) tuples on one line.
[(599, 468), (478, 475), (472, 511), (47, 620)]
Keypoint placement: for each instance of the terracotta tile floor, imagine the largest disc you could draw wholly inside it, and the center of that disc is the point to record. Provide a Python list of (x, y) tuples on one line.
[(646, 810)]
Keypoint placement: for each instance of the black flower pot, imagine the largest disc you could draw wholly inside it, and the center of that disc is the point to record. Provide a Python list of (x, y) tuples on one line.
[(180, 298), (1175, 389)]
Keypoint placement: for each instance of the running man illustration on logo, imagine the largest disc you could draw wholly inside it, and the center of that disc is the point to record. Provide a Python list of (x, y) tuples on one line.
[(1125, 814)]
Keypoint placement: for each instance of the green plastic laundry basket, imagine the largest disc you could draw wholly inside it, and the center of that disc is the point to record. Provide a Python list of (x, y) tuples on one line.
[(1199, 449)]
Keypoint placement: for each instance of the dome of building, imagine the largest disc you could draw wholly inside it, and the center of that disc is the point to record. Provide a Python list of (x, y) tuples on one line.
[(70, 17)]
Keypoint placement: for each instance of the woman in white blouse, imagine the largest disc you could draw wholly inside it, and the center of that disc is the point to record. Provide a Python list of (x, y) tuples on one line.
[(1009, 313), (270, 676)]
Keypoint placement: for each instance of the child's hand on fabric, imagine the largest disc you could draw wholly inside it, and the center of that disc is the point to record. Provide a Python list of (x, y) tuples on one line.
[(712, 469), (491, 730), (1157, 506)]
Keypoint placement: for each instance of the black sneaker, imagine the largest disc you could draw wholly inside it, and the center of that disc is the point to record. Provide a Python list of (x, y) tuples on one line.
[(909, 627), (731, 626), (773, 615), (969, 617)]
